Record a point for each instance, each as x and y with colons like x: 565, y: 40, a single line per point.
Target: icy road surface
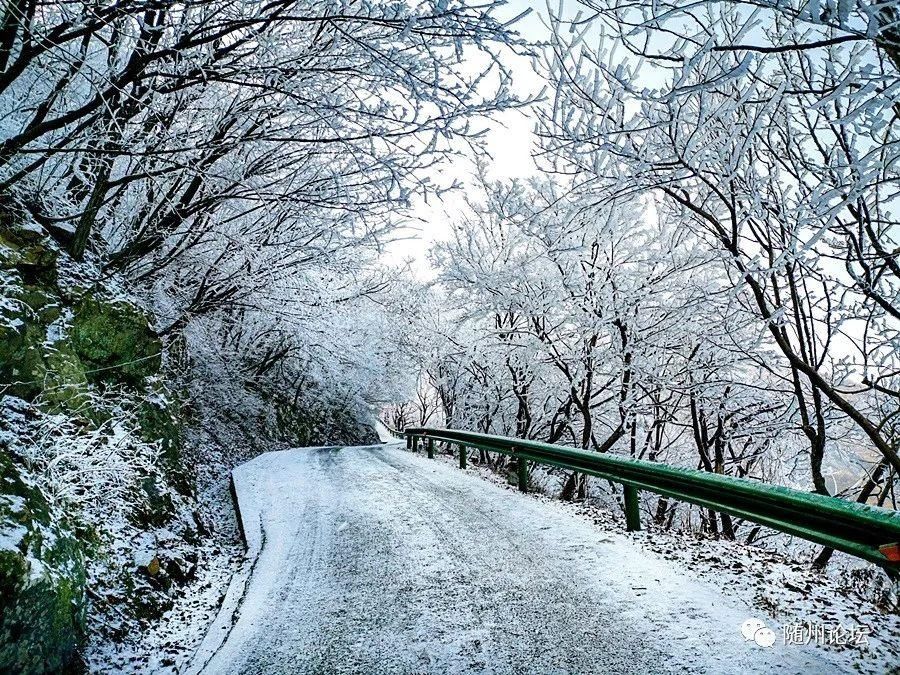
x: 374, y: 560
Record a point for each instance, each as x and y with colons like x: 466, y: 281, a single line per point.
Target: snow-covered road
x: 374, y: 560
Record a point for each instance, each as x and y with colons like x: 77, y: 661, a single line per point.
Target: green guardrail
x: 868, y: 532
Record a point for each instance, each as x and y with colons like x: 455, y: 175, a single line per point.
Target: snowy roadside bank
x: 165, y: 645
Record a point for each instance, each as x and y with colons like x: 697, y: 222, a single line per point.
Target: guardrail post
x: 522, y: 466
x: 409, y: 442
x: 415, y: 443
x: 632, y: 509
x: 429, y: 444
x: 463, y: 453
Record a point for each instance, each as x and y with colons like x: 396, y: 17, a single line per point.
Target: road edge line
x: 220, y: 627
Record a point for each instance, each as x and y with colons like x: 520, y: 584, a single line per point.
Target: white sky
x: 509, y: 140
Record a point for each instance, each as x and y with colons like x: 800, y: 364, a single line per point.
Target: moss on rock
x: 65, y: 382
x: 22, y: 365
x: 42, y: 581
x: 40, y: 303
x: 159, y: 420
x: 28, y: 305
x: 29, y: 251
x: 29, y: 363
x: 115, y: 341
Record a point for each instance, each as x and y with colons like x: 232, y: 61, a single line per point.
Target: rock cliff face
x: 61, y: 344
x: 55, y: 338
x: 83, y: 394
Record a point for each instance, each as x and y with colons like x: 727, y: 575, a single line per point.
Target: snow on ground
x: 163, y: 646
x: 781, y: 588
x: 384, y: 435
x: 377, y: 560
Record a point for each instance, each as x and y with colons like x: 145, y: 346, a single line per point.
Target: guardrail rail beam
x: 868, y: 532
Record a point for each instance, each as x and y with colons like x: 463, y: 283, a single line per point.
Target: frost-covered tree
x: 597, y: 324
x: 241, y: 164
x: 768, y: 131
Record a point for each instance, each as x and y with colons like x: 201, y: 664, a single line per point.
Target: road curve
x: 374, y: 560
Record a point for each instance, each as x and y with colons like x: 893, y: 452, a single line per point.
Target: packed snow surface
x: 377, y: 560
